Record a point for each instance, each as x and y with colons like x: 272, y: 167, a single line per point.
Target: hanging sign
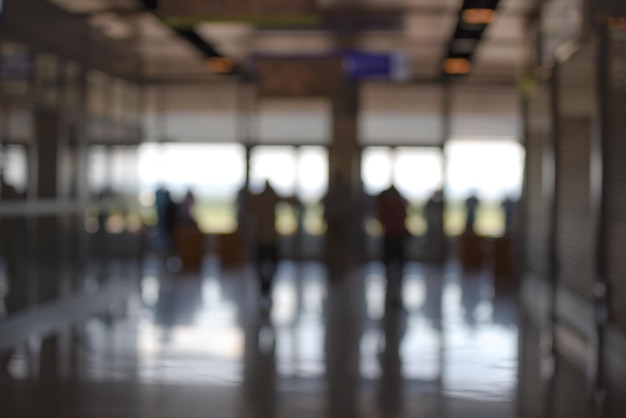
x: 304, y: 76
x: 394, y: 66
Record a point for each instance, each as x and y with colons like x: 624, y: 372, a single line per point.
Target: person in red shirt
x: 391, y: 209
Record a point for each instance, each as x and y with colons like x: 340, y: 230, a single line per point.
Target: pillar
x: 48, y: 227
x: 344, y: 181
x: 344, y: 152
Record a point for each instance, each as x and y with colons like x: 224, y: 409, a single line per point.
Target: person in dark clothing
x: 471, y: 207
x: 508, y: 207
x: 167, y: 216
x: 263, y: 213
x: 170, y: 221
x: 186, y: 217
x: 435, y: 234
x: 391, y: 209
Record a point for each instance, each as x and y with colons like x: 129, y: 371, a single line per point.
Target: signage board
x: 314, y: 76
x: 191, y: 12
x: 394, y: 66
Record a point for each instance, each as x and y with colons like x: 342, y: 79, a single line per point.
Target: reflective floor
x: 207, y: 346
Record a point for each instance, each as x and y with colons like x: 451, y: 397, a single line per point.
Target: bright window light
x: 491, y: 168
x: 418, y: 172
x: 212, y: 171
x: 276, y: 164
x: 376, y: 169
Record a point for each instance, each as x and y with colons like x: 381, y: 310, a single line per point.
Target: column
x: 344, y: 181
x: 48, y: 228
x: 344, y: 152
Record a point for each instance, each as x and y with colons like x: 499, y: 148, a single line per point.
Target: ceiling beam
x: 183, y: 79
x: 474, y: 17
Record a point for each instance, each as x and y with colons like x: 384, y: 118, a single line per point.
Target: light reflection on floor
x: 331, y: 349
x: 197, y: 329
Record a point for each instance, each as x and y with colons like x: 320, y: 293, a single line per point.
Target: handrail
x: 50, y: 317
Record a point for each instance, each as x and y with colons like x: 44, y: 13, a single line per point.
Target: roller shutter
x: 538, y: 134
x: 575, y: 239
x: 615, y: 171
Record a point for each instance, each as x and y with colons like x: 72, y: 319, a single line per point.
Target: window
x: 215, y: 173
x: 493, y: 170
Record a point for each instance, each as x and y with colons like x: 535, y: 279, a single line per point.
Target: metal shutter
x: 575, y: 239
x: 615, y: 170
x: 538, y: 131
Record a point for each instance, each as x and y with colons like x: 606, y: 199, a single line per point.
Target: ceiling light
x: 220, y: 65
x: 479, y: 16
x: 457, y: 66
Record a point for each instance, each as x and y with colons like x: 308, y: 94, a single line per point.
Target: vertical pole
x: 446, y: 131
x: 550, y: 193
x: 523, y: 206
x: 244, y: 124
x: 393, y: 157
x: 599, y: 194
x: 446, y: 125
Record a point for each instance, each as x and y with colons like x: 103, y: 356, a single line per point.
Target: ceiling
x: 423, y: 28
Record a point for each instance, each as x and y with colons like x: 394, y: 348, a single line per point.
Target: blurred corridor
x: 312, y: 208
x: 203, y: 346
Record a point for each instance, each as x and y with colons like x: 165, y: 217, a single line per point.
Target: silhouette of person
x: 166, y: 210
x: 391, y: 209
x: 363, y: 208
x: 263, y: 209
x: 508, y: 207
x: 185, y: 210
x: 435, y: 234
x: 471, y: 206
x: 242, y: 210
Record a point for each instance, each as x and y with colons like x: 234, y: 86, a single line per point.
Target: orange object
x: 231, y: 249
x: 503, y: 257
x: 471, y: 251
x: 190, y: 247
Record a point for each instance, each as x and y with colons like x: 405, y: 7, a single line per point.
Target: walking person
x: 391, y: 209
x: 435, y: 234
x: 262, y: 210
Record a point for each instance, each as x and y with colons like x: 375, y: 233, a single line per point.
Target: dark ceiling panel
x: 467, y: 35
x: 188, y: 33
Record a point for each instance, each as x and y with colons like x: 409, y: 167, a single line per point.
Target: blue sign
x: 371, y: 65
